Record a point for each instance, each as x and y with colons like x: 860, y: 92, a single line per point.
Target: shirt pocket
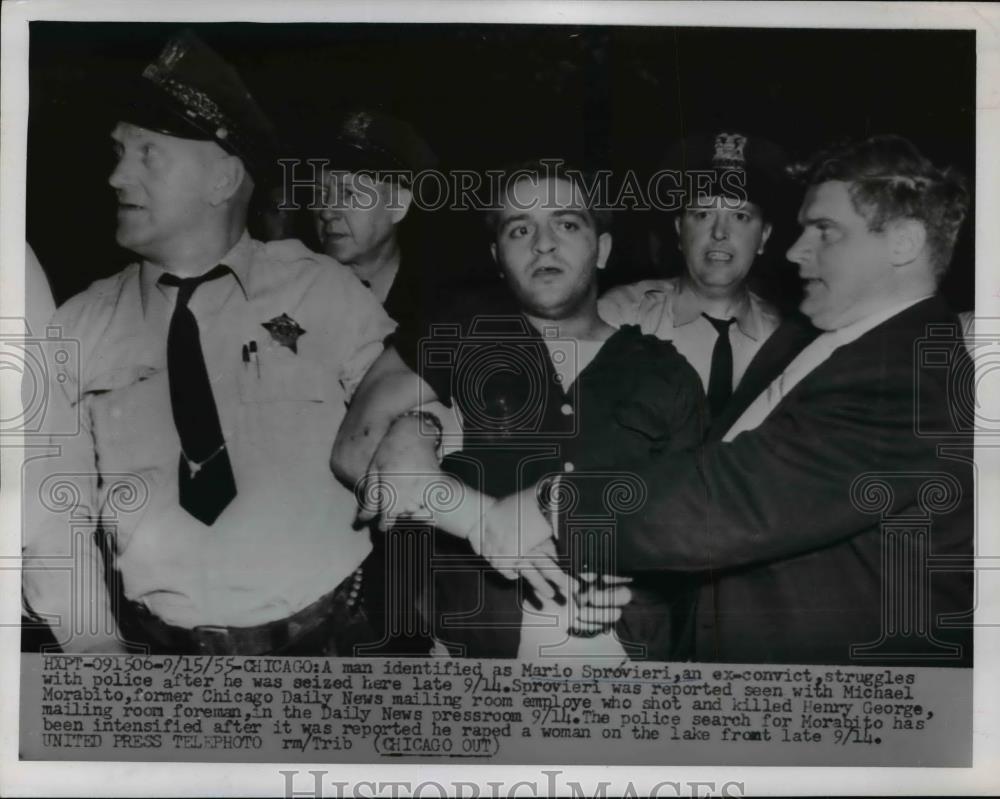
x: 289, y: 411
x: 132, y: 420
x: 279, y: 375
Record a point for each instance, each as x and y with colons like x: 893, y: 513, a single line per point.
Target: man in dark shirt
x: 544, y: 387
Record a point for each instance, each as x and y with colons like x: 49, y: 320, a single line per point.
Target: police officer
x: 213, y: 375
x: 731, y: 185
x: 367, y: 219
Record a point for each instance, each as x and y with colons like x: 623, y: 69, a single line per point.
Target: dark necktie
x: 205, y: 476
x: 720, y: 380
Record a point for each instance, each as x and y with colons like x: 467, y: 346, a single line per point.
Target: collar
x: 238, y: 259
x: 382, y: 281
x: 855, y: 330
x: 688, y: 306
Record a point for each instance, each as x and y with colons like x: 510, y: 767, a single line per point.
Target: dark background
x: 484, y: 95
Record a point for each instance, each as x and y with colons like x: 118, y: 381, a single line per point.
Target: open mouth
x: 546, y: 271
x: 719, y: 256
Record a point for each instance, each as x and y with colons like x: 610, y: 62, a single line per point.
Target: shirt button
x: 567, y: 409
x: 116, y: 413
x: 568, y: 466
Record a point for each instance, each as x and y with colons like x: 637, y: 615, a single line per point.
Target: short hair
x: 590, y: 189
x: 890, y: 179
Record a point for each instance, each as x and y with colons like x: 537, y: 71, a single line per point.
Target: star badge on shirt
x: 285, y: 331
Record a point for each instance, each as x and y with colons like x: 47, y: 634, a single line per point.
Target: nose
x: 720, y: 227
x: 327, y: 213
x: 544, y: 240
x: 121, y: 175
x: 798, y: 253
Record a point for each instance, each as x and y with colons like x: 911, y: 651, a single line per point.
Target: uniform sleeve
x: 63, y: 577
x: 367, y: 325
x: 620, y: 306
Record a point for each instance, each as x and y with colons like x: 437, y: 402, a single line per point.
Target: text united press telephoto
x: 495, y: 392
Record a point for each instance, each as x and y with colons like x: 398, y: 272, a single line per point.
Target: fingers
x: 612, y: 597
x: 543, y: 576
x: 598, y: 605
x: 590, y: 620
x: 607, y: 579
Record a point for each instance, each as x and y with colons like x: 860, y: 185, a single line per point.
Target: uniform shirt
x: 287, y: 538
x: 670, y: 310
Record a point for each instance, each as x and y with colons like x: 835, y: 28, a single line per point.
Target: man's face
x: 719, y: 243
x: 845, y: 266
x: 358, y: 218
x: 163, y: 185
x: 548, y: 248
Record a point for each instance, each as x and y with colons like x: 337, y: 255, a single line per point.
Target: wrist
x: 426, y: 424
x: 465, y: 516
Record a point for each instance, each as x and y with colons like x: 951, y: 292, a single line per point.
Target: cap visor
x: 146, y: 106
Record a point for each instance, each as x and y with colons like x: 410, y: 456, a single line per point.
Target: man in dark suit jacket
x: 832, y: 523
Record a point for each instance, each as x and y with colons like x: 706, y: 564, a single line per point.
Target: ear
x: 227, y: 173
x: 907, y: 238
x: 603, y: 249
x: 493, y: 252
x: 401, y: 199
x: 765, y: 234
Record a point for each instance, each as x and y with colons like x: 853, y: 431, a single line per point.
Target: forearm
x: 776, y: 492
x: 69, y: 593
x: 389, y: 390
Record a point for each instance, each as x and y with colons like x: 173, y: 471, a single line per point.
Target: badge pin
x: 729, y: 149
x: 285, y: 331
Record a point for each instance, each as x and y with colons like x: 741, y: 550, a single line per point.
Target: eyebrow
x: 813, y: 220
x: 120, y: 139
x: 558, y: 213
x: 572, y: 212
x: 504, y: 222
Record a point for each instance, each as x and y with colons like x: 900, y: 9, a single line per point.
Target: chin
x: 128, y: 242
x: 819, y: 319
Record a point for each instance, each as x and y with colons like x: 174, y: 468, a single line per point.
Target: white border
x: 89, y: 779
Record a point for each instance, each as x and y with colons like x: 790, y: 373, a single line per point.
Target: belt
x: 262, y: 639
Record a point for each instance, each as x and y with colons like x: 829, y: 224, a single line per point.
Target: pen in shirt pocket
x: 256, y: 358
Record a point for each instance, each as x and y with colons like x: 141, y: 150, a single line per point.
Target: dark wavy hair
x: 583, y: 181
x: 890, y: 179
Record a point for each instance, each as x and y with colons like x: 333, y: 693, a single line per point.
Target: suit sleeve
x: 782, y: 489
